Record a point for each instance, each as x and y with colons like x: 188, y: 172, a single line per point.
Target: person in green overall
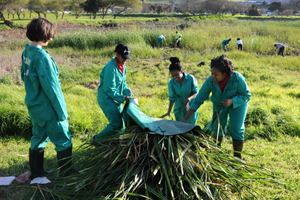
x: 183, y: 88
x: 178, y: 38
x: 113, y: 91
x: 160, y: 40
x: 44, y: 99
x: 225, y: 42
x: 230, y: 96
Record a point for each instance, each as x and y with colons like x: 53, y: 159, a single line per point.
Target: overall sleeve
x: 243, y: 93
x: 22, y: 68
x: 126, y: 89
x: 50, y: 83
x: 194, y: 86
x: 201, y: 96
x: 172, y: 95
x: 110, y: 85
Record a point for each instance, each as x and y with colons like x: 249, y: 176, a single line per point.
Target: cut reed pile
x: 138, y: 165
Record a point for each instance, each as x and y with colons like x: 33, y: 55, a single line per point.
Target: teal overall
x: 44, y: 100
x: 111, y: 96
x: 178, y: 93
x: 235, y: 89
x: 224, y: 43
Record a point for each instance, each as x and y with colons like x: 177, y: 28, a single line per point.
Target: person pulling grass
x: 160, y: 40
x: 239, y: 44
x: 230, y: 96
x: 178, y: 38
x: 44, y: 99
x: 225, y: 42
x: 280, y: 48
x: 113, y: 91
x: 183, y: 88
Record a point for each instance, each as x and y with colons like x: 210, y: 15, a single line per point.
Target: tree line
x: 92, y: 7
x: 57, y: 7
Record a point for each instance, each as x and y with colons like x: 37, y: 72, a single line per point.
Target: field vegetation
x: 272, y: 124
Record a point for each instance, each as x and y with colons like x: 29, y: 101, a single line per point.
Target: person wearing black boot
x: 44, y: 99
x: 230, y: 96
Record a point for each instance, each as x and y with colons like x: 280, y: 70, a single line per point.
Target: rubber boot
x: 64, y: 159
x: 237, y: 146
x: 220, y: 140
x: 36, y: 162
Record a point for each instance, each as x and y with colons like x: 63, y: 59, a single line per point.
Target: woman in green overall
x: 113, y: 91
x: 44, y: 99
x: 183, y: 89
x: 230, y: 96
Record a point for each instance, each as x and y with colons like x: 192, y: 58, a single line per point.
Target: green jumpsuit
x: 44, y: 100
x: 111, y: 95
x: 225, y: 42
x: 178, y: 93
x: 235, y: 89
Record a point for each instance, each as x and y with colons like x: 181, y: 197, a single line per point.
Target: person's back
x: 44, y: 100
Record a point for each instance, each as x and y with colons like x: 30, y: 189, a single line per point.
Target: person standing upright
x: 44, y: 99
x: 240, y: 44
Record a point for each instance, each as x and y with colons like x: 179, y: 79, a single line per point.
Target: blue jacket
x: 235, y: 89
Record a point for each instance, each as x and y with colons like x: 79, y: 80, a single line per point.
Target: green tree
x: 159, y: 9
x: 275, y: 6
x: 76, y: 7
x: 37, y: 6
x: 18, y: 7
x: 3, y: 4
x: 254, y: 11
x: 55, y: 6
x: 91, y: 6
x: 125, y: 4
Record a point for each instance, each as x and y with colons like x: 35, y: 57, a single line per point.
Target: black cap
x: 123, y: 50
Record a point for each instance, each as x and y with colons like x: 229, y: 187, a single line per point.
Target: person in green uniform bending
x: 183, y: 89
x: 113, y: 91
x: 178, y: 38
x: 225, y: 42
x: 230, y: 96
x: 44, y: 99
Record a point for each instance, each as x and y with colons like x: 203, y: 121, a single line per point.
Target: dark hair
x: 175, y: 64
x: 222, y: 64
x: 238, y: 39
x: 40, y: 29
x: 275, y: 45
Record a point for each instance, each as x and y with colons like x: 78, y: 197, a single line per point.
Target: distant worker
x: 160, y: 40
x: 240, y: 44
x: 225, y: 42
x: 178, y: 38
x: 280, y: 48
x: 183, y: 88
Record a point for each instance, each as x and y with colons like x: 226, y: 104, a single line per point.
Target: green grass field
x: 272, y: 124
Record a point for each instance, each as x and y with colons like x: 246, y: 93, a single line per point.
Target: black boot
x: 237, y: 147
x: 220, y: 140
x: 36, y: 162
x: 64, y: 159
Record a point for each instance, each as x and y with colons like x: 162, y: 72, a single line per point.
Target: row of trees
x: 41, y: 7
x: 225, y: 6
